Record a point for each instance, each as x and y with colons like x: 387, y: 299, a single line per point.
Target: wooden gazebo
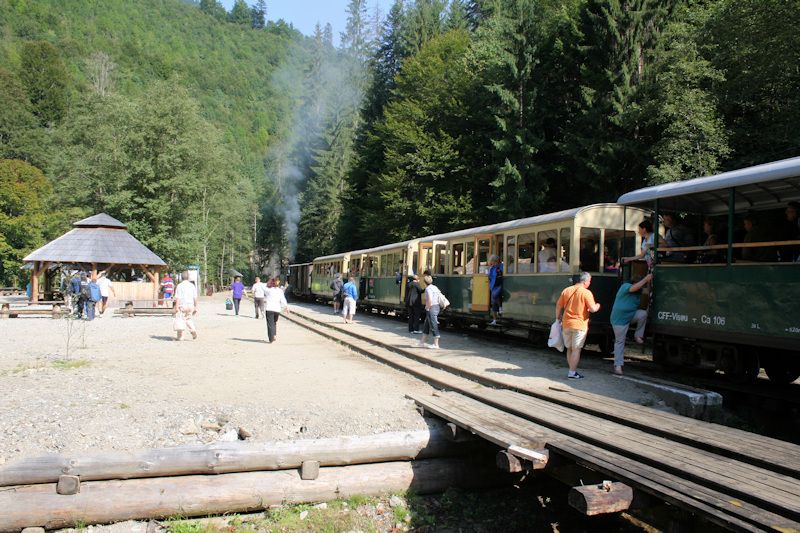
x: 97, y: 243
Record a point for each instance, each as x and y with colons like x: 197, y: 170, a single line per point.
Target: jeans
x: 414, y: 318
x: 88, y: 307
x: 259, y: 305
x: 431, y: 325
x: 272, y: 319
x: 236, y: 304
x: 620, y: 332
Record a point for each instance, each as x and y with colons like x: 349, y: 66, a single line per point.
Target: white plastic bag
x: 178, y: 322
x: 556, y: 339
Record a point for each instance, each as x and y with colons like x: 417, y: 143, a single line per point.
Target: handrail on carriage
x: 764, y: 244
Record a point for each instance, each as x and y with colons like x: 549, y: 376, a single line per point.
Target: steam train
x: 720, y: 308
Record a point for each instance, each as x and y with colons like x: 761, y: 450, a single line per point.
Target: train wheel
x: 782, y: 370
x: 741, y: 367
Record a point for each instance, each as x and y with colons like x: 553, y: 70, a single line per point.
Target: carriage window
x: 483, y: 256
x: 527, y: 244
x: 440, y: 258
x: 563, y: 264
x: 511, y: 250
x: 590, y: 249
x: 458, y: 259
x: 355, y: 267
x: 615, y: 246
x: 546, y: 242
x: 469, y: 266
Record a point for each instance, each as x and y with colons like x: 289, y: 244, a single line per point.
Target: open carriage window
x: 526, y: 253
x: 458, y: 259
x: 616, y: 243
x: 546, y: 243
x: 563, y: 264
x: 511, y: 257
x: 440, y: 258
x: 589, y: 254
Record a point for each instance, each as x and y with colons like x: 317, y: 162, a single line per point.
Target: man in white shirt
x: 106, y: 289
x: 259, y: 293
x: 185, y: 306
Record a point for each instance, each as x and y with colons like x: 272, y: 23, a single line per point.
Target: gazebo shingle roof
x: 97, y: 239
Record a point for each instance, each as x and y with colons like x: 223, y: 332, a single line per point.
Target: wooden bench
x: 55, y: 310
x: 131, y: 310
x: 11, y: 291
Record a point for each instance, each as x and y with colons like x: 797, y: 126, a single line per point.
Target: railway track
x: 760, y: 394
x: 735, y: 479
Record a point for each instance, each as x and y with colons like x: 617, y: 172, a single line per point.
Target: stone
x: 303, y: 515
x: 229, y: 436
x: 396, y: 501
x: 212, y: 426
x: 68, y: 485
x: 33, y: 530
x: 188, y: 428
x: 244, y: 434
x: 322, y: 505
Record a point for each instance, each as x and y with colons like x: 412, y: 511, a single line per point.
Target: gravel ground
x: 125, y: 384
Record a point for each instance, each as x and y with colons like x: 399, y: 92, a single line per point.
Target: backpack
x: 94, y: 292
x: 85, y: 291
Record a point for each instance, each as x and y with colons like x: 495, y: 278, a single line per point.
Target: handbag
x: 178, y: 323
x: 443, y: 301
x: 556, y: 339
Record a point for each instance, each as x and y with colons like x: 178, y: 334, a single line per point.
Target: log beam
x: 235, y: 457
x: 607, y: 497
x: 101, y: 502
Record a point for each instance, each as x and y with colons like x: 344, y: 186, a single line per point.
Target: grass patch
x: 70, y: 364
x: 22, y: 367
x: 124, y: 406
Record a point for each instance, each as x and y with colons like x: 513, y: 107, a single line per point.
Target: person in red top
x: 168, y: 286
x: 577, y: 302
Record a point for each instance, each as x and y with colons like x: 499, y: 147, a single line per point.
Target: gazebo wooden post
x: 35, y: 282
x: 154, y: 278
x: 94, y: 271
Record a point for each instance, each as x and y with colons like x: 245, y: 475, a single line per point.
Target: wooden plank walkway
x: 506, y: 429
x: 772, y: 454
x: 702, y: 476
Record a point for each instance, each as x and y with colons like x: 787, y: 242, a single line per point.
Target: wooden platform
x: 730, y: 504
x: 774, y: 454
x: 734, y: 478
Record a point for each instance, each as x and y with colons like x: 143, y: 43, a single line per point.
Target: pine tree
x: 213, y: 8
x: 355, y: 40
x: 258, y: 14
x: 693, y: 140
x: 507, y: 55
x: 240, y: 14
x: 45, y: 77
x: 20, y: 135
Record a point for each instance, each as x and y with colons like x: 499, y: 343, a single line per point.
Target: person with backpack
x: 435, y: 302
x: 91, y: 295
x: 336, y: 286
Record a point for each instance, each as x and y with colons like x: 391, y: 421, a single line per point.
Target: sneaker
x: 420, y: 344
x: 431, y: 346
x: 194, y: 334
x: 617, y: 370
x: 416, y: 332
x: 493, y: 323
x: 575, y: 376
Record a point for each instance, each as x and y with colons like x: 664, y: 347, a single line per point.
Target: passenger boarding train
x: 721, y: 308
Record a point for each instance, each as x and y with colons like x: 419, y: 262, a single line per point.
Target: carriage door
x: 424, y: 260
x: 478, y: 266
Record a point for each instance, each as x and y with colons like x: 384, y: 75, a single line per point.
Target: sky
x: 304, y: 14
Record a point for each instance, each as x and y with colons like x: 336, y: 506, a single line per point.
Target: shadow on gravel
x: 259, y: 341
x: 162, y: 338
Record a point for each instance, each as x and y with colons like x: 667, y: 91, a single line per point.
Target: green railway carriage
x: 723, y: 308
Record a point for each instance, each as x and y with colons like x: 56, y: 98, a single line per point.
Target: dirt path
x: 127, y: 384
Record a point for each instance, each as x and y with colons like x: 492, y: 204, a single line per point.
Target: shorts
x: 105, y: 299
x: 349, y: 307
x: 574, y: 338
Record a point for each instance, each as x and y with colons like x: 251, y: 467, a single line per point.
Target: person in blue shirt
x: 237, y: 290
x: 495, y: 287
x: 624, y: 312
x: 350, y: 291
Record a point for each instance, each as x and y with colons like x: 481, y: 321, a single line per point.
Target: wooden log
x: 508, y: 462
x: 459, y: 434
x: 5, y: 311
x: 226, y: 457
x: 607, y: 497
x: 112, y: 501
